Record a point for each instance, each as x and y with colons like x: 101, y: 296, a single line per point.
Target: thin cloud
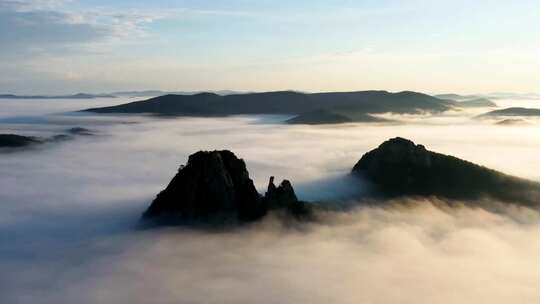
x: 43, y: 26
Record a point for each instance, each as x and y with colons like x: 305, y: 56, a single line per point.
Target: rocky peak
x: 399, y: 150
x: 215, y: 186
x: 395, y: 162
x: 400, y: 167
x: 211, y: 184
x: 281, y: 196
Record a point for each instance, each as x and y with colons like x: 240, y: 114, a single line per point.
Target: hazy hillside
x: 283, y: 102
x: 514, y: 111
x: 477, y: 103
x: 456, y: 97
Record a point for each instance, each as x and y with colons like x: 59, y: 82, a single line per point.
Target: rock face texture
x: 400, y: 167
x: 212, y: 184
x: 214, y: 188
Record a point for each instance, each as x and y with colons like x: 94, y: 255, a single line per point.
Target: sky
x: 61, y: 47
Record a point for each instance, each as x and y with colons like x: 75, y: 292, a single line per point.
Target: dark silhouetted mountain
x: 20, y: 141
x: 75, y: 96
x: 214, y: 187
x: 477, y: 103
x: 399, y: 167
x: 283, y: 197
x: 512, y: 112
x: 17, y: 141
x: 284, y: 102
x: 211, y: 184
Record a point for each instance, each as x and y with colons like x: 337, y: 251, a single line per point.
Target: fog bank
x: 68, y: 212
x: 422, y: 252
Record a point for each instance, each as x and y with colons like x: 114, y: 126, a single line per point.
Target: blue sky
x: 56, y: 46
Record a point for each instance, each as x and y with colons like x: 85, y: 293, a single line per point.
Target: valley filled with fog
x: 69, y: 211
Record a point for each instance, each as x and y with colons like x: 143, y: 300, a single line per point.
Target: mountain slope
x: 515, y: 111
x: 283, y: 102
x: 477, y: 103
x: 400, y: 167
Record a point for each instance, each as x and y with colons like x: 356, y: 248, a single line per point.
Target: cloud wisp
x: 44, y: 27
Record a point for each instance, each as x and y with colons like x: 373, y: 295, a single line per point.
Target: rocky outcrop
x: 211, y: 184
x: 400, y: 167
x: 283, y: 197
x: 214, y: 187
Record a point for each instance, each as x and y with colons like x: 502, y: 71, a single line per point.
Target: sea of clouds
x: 68, y: 213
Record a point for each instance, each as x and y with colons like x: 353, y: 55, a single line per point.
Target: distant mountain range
x: 147, y: 93
x: 515, y: 111
x: 468, y: 101
x: 495, y: 95
x: 344, y: 106
x: 74, y: 96
x: 456, y: 97
x: 478, y: 103
x: 507, y: 95
x: 153, y: 93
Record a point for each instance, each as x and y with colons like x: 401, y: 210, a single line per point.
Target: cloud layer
x: 68, y: 212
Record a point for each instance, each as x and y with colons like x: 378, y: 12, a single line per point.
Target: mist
x: 68, y: 213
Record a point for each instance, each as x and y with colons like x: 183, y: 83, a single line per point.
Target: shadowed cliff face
x: 283, y: 197
x: 399, y: 167
x: 214, y: 188
x: 211, y: 184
